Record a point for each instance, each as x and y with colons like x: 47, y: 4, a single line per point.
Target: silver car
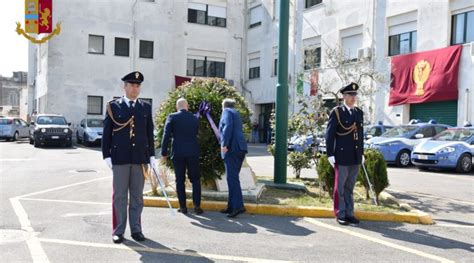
x: 12, y: 128
x: 90, y: 131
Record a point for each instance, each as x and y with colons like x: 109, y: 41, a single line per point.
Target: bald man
x: 182, y: 127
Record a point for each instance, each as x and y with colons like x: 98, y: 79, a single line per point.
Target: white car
x: 90, y: 131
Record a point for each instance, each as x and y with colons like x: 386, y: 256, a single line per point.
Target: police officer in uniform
x: 128, y: 148
x: 345, y: 148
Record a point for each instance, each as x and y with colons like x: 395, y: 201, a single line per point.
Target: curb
x: 413, y: 217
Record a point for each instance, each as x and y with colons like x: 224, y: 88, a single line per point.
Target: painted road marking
x: 36, y: 251
x: 377, y: 240
x: 64, y: 186
x: 455, y: 225
x: 66, y: 201
x: 157, y: 250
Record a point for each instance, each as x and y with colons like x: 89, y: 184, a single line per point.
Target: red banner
x: 178, y: 80
x: 45, y: 16
x: 425, y: 76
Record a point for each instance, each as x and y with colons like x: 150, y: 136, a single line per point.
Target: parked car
x: 50, y: 129
x: 90, y: 131
x: 397, y: 143
x: 12, y: 128
x: 452, y: 148
x: 300, y: 143
x: 375, y: 130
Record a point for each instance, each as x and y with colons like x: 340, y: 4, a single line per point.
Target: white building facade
x: 77, y: 72
x: 375, y: 30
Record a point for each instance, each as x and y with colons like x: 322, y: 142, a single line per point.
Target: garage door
x: 445, y: 112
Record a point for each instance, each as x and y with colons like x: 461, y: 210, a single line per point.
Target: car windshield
x: 51, y: 120
x: 400, y: 131
x: 6, y: 121
x: 454, y: 135
x: 95, y: 123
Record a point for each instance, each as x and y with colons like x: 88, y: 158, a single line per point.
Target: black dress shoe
x: 198, y: 210
x: 183, y: 210
x: 138, y: 236
x: 226, y: 210
x: 236, y: 212
x: 342, y: 221
x: 117, y: 239
x: 352, y: 220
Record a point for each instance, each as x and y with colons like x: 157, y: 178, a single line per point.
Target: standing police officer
x: 128, y: 148
x: 345, y: 148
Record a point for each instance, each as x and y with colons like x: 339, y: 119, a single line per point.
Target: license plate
x: 54, y: 137
x: 423, y: 157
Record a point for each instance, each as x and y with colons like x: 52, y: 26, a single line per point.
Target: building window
x: 275, y: 67
x: 310, y: 3
x: 256, y: 16
x: 146, y: 49
x: 254, y: 68
x: 94, y: 105
x: 207, y: 15
x: 96, y: 44
x: 312, y: 58
x: 205, y: 68
x: 122, y: 47
x: 350, y: 45
x: 462, y: 28
x: 402, y: 43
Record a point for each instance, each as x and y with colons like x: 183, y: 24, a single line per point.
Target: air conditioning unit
x: 364, y: 53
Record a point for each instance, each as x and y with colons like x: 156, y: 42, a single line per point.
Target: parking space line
x: 64, y: 186
x: 66, y: 201
x: 157, y: 250
x: 36, y: 251
x: 377, y: 240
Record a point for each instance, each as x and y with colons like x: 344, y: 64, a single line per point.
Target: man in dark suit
x: 345, y: 148
x: 233, y: 150
x: 182, y: 126
x: 127, y: 147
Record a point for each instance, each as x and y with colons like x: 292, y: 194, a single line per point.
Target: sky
x: 13, y: 47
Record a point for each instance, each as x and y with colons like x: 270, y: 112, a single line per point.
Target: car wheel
x: 69, y: 144
x: 403, y: 158
x: 31, y: 141
x: 78, y: 139
x: 464, y: 163
x: 36, y: 143
x: 85, y: 141
x: 15, y: 136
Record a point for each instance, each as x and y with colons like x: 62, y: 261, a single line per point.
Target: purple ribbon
x: 205, y: 109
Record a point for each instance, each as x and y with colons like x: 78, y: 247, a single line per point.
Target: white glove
x: 153, y: 163
x: 363, y: 159
x: 332, y: 161
x: 108, y: 162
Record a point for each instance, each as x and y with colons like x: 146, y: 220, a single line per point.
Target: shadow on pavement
x: 422, y: 237
x: 168, y: 255
x: 247, y: 223
x: 435, y: 205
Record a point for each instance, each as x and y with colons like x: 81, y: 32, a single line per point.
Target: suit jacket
x: 182, y: 127
x: 232, y: 135
x: 118, y: 145
x: 347, y: 149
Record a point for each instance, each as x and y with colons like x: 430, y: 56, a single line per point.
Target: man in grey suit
x: 182, y: 126
x: 233, y: 150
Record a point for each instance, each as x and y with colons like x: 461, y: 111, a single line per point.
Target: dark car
x: 50, y: 129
